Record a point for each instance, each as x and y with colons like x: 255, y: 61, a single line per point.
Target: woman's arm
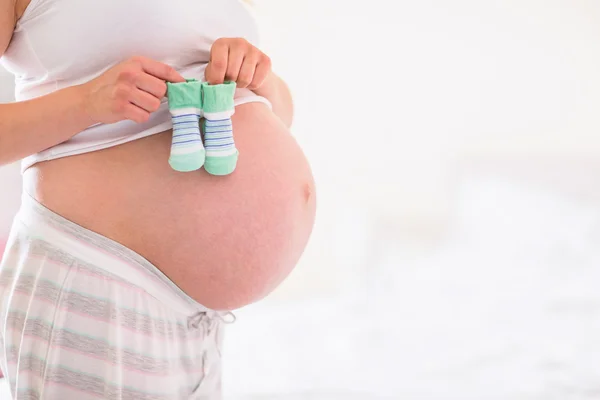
x: 8, y: 19
x: 54, y: 118
x: 129, y: 91
x: 57, y: 117
x: 278, y: 93
x: 32, y: 126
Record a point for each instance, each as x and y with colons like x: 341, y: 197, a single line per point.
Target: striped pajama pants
x: 82, y: 317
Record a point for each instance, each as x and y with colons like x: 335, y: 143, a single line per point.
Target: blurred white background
x: 456, y: 251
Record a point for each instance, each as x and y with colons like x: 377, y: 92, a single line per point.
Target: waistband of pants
x: 103, y: 253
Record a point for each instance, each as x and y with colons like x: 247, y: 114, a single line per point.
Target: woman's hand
x: 238, y: 61
x: 131, y: 90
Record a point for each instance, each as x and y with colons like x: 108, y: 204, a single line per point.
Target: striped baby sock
x: 185, y: 105
x: 221, y: 153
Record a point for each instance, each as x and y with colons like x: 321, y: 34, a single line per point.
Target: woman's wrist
x: 79, y: 96
x: 277, y: 92
x: 269, y: 88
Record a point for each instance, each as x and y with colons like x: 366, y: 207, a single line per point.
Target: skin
x: 226, y: 241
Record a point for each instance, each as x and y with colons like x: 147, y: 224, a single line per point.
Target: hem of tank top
x: 30, y: 161
x: 164, y: 126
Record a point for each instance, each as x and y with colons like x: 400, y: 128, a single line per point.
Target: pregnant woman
x: 120, y: 271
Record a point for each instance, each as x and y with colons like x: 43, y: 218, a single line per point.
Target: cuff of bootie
x: 185, y: 94
x: 218, y: 99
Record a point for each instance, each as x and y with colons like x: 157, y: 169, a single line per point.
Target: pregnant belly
x: 226, y: 241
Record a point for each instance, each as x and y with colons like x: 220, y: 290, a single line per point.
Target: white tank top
x: 61, y: 43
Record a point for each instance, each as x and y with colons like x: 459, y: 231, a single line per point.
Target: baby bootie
x: 185, y: 105
x: 218, y: 106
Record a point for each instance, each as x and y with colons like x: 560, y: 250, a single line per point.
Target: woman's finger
x: 246, y: 74
x: 158, y: 69
x: 234, y: 63
x: 145, y: 101
x: 263, y: 69
x: 136, y: 114
x: 217, y: 66
x: 152, y: 85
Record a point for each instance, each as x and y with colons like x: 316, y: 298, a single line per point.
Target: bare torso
x: 226, y: 241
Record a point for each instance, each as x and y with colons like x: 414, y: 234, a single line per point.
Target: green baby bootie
x: 221, y: 153
x: 185, y: 105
